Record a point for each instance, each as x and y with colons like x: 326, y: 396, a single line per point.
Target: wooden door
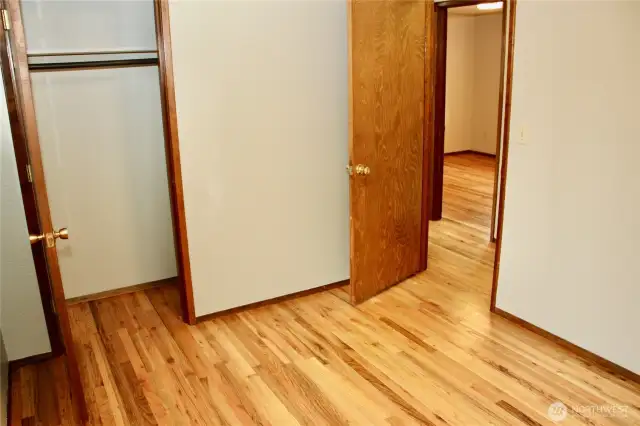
x: 43, y: 235
x: 387, y: 91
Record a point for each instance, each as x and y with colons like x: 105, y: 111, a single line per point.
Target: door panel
x: 387, y: 78
x: 35, y: 200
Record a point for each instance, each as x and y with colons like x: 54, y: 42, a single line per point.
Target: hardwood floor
x: 426, y: 352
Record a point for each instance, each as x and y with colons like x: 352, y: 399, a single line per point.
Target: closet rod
x: 119, y: 63
x: 103, y: 52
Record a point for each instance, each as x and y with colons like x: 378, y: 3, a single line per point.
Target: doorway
x: 472, y: 65
x: 93, y: 124
x: 472, y: 72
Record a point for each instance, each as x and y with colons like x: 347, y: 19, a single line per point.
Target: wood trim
x: 439, y: 99
x: 22, y: 84
x: 172, y: 147
x: 26, y: 189
x: 30, y: 360
x: 427, y: 146
x: 503, y: 57
x: 278, y: 299
x: 448, y: 4
x: 589, y: 356
x: 120, y: 291
x: 505, y: 146
x: 14, y: 366
x: 470, y: 151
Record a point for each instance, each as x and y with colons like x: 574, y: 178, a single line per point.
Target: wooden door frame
x: 174, y: 169
x: 432, y: 85
x: 437, y: 169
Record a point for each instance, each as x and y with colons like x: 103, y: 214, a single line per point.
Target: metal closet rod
x: 118, y: 63
x: 103, y: 52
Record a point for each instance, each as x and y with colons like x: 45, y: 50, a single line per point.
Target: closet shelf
x: 103, y: 52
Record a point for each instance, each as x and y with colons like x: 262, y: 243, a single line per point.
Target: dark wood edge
x: 503, y: 57
x: 610, y: 367
x: 172, y: 147
x: 30, y: 360
x: 511, y: 4
x: 121, y: 291
x: 427, y: 144
x: 469, y: 151
x: 268, y: 302
x: 439, y: 100
x: 449, y: 4
x: 22, y: 84
x: 9, y: 409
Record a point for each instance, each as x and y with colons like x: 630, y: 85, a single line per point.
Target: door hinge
x: 6, y: 22
x: 53, y: 306
x: 29, y: 175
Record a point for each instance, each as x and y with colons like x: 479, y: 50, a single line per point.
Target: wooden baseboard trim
x: 16, y: 364
x: 611, y: 367
x: 272, y: 301
x: 470, y: 151
x: 120, y: 291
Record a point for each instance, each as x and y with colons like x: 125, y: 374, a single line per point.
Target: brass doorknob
x: 361, y: 169
x: 62, y: 233
x: 35, y: 238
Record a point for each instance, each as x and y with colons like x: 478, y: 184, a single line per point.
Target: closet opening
x: 95, y: 140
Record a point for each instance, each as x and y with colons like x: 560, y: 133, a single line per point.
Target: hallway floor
x: 426, y: 352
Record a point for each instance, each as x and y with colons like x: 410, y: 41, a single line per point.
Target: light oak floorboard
x: 426, y: 352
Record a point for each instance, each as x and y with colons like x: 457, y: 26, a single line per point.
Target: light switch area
x: 523, y: 137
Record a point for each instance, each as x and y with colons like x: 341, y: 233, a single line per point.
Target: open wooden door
x: 387, y: 43
x: 43, y: 236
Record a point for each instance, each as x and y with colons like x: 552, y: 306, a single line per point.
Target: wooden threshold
x: 272, y: 301
x: 607, y: 365
x: 122, y: 290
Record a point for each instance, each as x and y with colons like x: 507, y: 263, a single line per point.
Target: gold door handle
x: 359, y: 169
x: 35, y: 238
x: 62, y: 233
x: 363, y: 170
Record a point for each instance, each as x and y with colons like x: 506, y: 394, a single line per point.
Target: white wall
x: 261, y: 91
x: 23, y: 325
x: 571, y: 225
x: 4, y: 362
x: 102, y: 145
x: 459, y: 102
x: 474, y: 45
x: 103, y: 153
x: 89, y: 26
x: 486, y: 81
